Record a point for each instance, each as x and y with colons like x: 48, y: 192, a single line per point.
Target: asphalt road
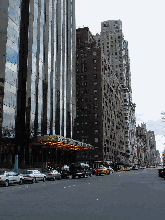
x: 128, y: 195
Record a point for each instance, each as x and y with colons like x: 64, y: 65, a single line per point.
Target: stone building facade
x: 114, y: 52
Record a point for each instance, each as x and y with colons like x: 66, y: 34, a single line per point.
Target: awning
x: 57, y: 141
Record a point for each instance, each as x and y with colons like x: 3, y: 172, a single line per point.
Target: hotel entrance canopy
x: 56, y: 141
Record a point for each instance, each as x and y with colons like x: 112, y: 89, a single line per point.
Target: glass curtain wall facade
x: 38, y: 96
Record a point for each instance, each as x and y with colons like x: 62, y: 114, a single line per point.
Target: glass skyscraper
x: 37, y: 69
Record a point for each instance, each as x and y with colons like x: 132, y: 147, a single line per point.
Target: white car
x: 110, y: 169
x: 28, y: 176
x: 8, y: 177
x: 34, y: 175
x: 53, y: 175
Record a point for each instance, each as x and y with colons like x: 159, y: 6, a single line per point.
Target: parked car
x: 77, y: 170
x: 8, y: 177
x: 53, y: 175
x: 102, y: 170
x: 28, y: 176
x: 36, y: 175
x: 161, y: 172
x: 64, y: 171
x: 87, y: 169
x: 135, y: 168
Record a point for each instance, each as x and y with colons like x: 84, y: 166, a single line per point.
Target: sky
x: 143, y: 27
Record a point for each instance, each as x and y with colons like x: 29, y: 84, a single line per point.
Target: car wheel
x: 108, y: 173
x: 60, y: 178
x: 54, y: 178
x: 33, y: 180
x: 6, y: 183
x: 90, y: 175
x: 44, y: 179
x: 20, y: 182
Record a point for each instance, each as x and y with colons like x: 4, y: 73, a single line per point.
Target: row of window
x: 85, y: 69
x: 85, y: 92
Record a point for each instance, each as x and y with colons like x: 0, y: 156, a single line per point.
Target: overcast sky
x: 143, y: 25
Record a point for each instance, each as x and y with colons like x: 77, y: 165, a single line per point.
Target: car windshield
x: 27, y: 172
x: 50, y: 171
x: 2, y: 172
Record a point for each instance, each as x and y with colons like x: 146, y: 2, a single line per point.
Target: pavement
x: 127, y: 195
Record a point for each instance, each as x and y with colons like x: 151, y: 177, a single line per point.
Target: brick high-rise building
x: 88, y: 124
x: 100, y: 118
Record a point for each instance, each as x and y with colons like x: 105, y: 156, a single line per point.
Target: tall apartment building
x: 114, y: 52
x: 151, y: 145
x: 88, y: 124
x: 99, y: 99
x: 37, y: 70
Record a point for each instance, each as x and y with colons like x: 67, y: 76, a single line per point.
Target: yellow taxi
x: 124, y: 169
x: 102, y: 170
x: 121, y: 169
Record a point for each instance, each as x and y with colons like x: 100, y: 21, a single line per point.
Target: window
x: 96, y: 131
x: 85, y: 83
x: 96, y: 140
x: 78, y: 132
x: 95, y: 68
x: 95, y: 76
x: 95, y: 107
x: 94, y: 61
x: 95, y: 83
x: 96, y: 122
x: 77, y: 71
x: 95, y: 99
x: 95, y: 91
x: 77, y: 123
x: 94, y: 53
x: 96, y: 156
x: 95, y: 116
